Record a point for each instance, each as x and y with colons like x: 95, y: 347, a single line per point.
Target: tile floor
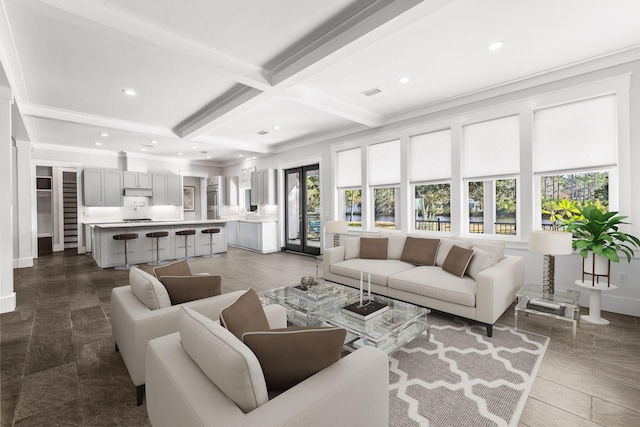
x: 59, y: 367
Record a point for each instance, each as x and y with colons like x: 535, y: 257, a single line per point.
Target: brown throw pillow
x: 245, y: 315
x: 291, y: 355
x: 420, y: 251
x: 183, y: 289
x: 178, y: 268
x: 457, y: 260
x: 373, y: 248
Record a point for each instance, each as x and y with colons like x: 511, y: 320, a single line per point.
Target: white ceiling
x: 211, y: 74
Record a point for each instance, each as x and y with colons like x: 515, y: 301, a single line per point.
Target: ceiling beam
x: 135, y: 25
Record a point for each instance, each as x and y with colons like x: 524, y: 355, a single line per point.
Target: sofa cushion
x: 291, y: 355
x: 148, y: 289
x: 351, y: 247
x: 495, y: 249
x: 373, y: 248
x: 457, y: 260
x: 183, y: 289
x: 177, y: 268
x: 379, y: 269
x: 395, y: 245
x: 245, y: 315
x: 479, y: 261
x: 446, y: 245
x: 420, y: 251
x: 433, y: 282
x: 224, y: 359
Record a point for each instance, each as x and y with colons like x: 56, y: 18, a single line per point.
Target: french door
x: 302, y: 212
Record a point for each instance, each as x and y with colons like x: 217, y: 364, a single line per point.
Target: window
x: 433, y: 207
x: 583, y: 138
x: 349, y: 184
x: 430, y: 174
x: 384, y: 180
x: 492, y: 185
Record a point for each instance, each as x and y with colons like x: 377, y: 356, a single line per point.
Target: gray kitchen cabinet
x: 166, y: 189
x: 102, y: 187
x: 136, y: 179
x: 264, y: 187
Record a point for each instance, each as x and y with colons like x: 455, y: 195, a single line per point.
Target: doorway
x: 302, y: 209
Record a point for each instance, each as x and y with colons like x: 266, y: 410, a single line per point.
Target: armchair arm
x: 497, y: 287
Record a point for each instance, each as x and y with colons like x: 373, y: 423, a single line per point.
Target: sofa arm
x: 331, y: 256
x: 497, y: 287
x: 326, y: 398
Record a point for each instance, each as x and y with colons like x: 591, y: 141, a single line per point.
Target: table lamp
x: 550, y: 243
x: 336, y: 228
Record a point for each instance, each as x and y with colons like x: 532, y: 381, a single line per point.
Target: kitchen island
x: 108, y: 252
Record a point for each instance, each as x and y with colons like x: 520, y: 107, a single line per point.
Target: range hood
x: 139, y: 192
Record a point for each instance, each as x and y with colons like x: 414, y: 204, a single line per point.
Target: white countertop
x: 111, y: 225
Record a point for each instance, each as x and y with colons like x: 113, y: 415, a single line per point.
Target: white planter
x: 601, y: 266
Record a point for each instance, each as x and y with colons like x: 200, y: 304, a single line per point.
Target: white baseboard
x: 23, y: 262
x: 8, y: 303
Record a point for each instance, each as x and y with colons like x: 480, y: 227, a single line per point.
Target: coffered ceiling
x: 216, y: 79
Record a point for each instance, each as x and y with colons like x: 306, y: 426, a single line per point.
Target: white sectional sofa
x: 483, y: 293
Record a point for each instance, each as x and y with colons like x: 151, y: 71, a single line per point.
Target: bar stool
x: 125, y: 237
x: 157, y: 235
x: 211, y: 232
x: 186, y: 234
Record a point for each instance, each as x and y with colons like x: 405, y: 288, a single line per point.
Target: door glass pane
x: 293, y: 207
x: 312, y: 178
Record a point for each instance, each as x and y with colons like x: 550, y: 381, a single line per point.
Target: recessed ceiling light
x: 495, y: 45
x: 276, y: 127
x: 98, y: 143
x: 208, y: 157
x: 179, y: 154
x: 403, y: 80
x: 143, y: 149
x: 129, y: 92
x: 240, y: 155
x: 104, y: 134
x: 194, y: 147
x: 154, y: 142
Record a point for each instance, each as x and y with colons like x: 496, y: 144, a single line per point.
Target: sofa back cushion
x: 351, y: 247
x: 445, y: 247
x: 224, y: 359
x: 457, y: 260
x: 245, y: 315
x: 148, y: 289
x: 479, y: 261
x: 495, y: 249
x: 420, y: 251
x: 373, y: 248
x: 291, y: 355
x: 395, y: 245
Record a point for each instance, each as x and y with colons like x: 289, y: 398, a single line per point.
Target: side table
x: 563, y: 304
x: 595, y: 294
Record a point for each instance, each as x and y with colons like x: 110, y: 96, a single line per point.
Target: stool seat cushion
x: 125, y: 236
x: 158, y: 234
x: 148, y: 289
x: 185, y: 232
x: 211, y: 230
x: 183, y: 289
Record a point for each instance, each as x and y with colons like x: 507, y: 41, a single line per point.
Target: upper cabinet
x: 264, y: 187
x: 137, y: 179
x: 167, y: 189
x: 231, y: 193
x: 102, y: 187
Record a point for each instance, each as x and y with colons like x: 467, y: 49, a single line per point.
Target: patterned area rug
x: 456, y: 376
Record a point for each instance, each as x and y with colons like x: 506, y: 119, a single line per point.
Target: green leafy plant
x: 596, y: 231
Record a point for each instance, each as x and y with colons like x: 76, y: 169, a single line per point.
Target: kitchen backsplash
x: 134, y: 207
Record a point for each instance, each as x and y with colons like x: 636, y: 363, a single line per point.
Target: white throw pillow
x: 224, y: 359
x: 395, y: 245
x: 445, y: 247
x: 479, y: 261
x: 495, y: 249
x: 351, y: 247
x: 148, y: 289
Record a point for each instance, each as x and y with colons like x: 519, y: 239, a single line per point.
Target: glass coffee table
x: 388, y: 331
x: 563, y: 304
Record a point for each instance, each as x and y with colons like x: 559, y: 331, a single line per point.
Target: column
x: 7, y: 294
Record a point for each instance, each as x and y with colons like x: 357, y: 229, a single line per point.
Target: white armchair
x: 134, y: 325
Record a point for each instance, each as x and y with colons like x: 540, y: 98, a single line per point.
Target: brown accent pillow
x: 183, y: 289
x: 178, y: 268
x: 457, y: 260
x: 373, y: 248
x: 245, y: 315
x: 291, y: 355
x: 420, y: 251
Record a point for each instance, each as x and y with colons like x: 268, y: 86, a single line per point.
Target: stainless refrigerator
x: 214, y: 197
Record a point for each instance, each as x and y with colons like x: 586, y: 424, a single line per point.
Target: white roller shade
x: 430, y: 157
x: 491, y: 148
x: 349, y: 168
x: 581, y: 134
x: 384, y: 163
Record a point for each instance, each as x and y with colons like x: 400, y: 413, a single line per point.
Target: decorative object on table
x: 189, y: 198
x: 336, y: 228
x: 596, y: 234
x: 365, y: 309
x: 549, y: 243
x: 307, y: 281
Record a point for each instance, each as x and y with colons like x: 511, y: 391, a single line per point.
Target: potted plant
x: 596, y: 233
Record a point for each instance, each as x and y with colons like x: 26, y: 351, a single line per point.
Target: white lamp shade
x: 335, y: 227
x: 550, y: 242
